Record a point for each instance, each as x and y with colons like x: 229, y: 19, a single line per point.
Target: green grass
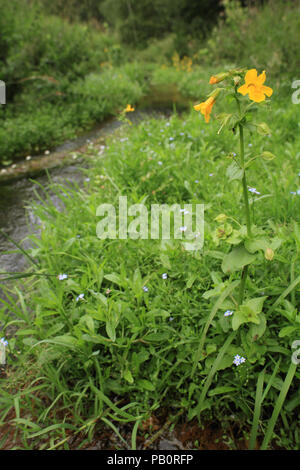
x: 120, y: 353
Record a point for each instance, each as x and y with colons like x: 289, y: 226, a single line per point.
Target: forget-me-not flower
x: 238, y: 360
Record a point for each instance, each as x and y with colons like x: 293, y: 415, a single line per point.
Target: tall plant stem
x: 247, y: 209
x: 244, y: 181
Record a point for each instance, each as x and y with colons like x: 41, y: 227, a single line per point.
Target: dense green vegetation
x: 63, y: 77
x: 108, y: 332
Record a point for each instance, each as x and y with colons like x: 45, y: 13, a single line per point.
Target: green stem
x: 242, y: 284
x: 244, y: 180
x: 247, y: 209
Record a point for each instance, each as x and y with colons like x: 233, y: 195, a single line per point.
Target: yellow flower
x: 207, y: 105
x: 129, y: 108
x: 254, y: 85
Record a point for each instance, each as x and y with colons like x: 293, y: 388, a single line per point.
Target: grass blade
x: 279, y: 403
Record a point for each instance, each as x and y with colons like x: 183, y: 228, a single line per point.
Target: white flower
x: 61, y: 277
x: 79, y: 297
x: 164, y: 276
x: 145, y: 289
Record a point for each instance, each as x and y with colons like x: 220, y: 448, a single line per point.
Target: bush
x: 264, y: 38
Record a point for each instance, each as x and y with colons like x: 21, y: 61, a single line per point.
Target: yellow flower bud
x: 269, y: 254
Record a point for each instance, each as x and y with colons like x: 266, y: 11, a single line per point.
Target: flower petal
x: 262, y: 78
x: 198, y: 107
x: 251, y: 76
x: 257, y: 95
x: 267, y: 90
x: 243, y: 89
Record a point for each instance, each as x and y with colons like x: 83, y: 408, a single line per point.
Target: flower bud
x: 218, y: 78
x: 269, y: 254
x: 221, y: 218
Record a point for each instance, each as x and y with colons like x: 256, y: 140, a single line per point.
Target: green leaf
x: 225, y: 119
x: 237, y: 259
x: 165, y: 261
x: 221, y: 390
x: 115, y: 278
x: 263, y: 129
x: 146, y: 385
x: 128, y: 376
x: 111, y: 330
x: 286, y: 331
x: 234, y: 172
x: 27, y: 331
x: 191, y: 280
x: 158, y: 336
x: 248, y: 312
x: 256, y: 244
x: 257, y: 330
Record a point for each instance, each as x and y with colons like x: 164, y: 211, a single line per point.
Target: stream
x: 18, y: 190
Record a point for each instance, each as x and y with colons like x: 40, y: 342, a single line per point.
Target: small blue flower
x: 238, y: 360
x: 228, y: 313
x: 79, y: 297
x: 159, y: 163
x: 171, y: 138
x: 61, y: 277
x: 253, y: 190
x: 249, y: 145
x: 3, y: 341
x: 145, y: 289
x: 164, y: 276
x: 196, y: 181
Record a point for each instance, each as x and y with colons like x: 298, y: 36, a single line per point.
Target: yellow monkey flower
x: 254, y: 86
